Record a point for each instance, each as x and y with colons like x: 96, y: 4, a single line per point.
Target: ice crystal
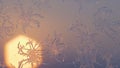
x: 31, y: 51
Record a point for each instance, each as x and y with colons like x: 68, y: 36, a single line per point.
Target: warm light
x: 12, y: 58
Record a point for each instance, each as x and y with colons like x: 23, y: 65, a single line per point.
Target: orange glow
x: 12, y: 58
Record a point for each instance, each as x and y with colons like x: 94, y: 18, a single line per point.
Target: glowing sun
x: 20, y: 52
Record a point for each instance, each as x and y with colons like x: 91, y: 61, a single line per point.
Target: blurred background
x: 72, y: 33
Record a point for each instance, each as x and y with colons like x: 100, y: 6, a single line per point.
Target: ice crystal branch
x: 31, y: 51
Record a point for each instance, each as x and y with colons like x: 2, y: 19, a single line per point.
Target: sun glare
x: 12, y: 57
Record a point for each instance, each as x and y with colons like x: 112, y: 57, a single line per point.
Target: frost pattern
x: 32, y: 52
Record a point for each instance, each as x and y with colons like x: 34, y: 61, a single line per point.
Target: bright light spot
x: 12, y: 57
